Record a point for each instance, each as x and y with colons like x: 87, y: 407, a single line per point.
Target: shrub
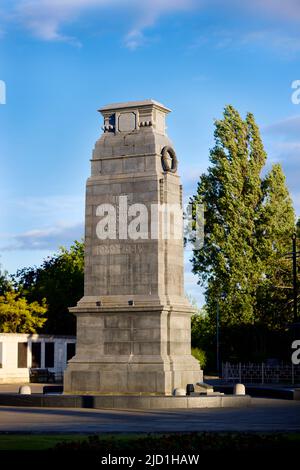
x: 200, y: 355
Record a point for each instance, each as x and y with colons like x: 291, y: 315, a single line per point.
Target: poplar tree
x: 276, y: 226
x: 245, y: 230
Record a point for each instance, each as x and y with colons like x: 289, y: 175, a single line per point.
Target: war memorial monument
x: 133, y: 323
x: 133, y: 347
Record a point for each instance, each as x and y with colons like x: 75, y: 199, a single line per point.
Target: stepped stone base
x: 132, y: 350
x: 124, y: 402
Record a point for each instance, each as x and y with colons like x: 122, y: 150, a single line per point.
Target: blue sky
x: 62, y: 60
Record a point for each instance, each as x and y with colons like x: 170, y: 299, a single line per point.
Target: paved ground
x: 14, y: 388
x: 263, y: 415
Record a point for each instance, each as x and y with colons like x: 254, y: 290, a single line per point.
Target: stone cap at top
x: 133, y: 116
x: 134, y: 104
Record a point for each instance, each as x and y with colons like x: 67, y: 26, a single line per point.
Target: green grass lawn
x: 30, y: 442
x: 34, y: 441
x: 47, y: 441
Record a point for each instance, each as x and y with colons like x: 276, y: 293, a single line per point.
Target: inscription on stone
x: 117, y: 249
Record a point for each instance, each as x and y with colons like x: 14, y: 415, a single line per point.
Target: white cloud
x: 285, y: 44
x: 22, y: 215
x: 150, y: 12
x: 284, y: 147
x: 282, y: 9
x: 46, y: 19
x: 50, y: 238
x: 50, y: 206
x: 288, y: 128
x: 59, y: 218
x: 288, y: 9
x: 134, y: 39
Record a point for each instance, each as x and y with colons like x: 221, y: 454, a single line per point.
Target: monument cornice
x: 134, y: 105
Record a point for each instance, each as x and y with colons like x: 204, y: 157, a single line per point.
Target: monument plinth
x: 133, y: 323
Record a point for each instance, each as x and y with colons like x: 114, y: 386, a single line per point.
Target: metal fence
x: 261, y: 373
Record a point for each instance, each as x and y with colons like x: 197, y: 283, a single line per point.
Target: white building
x: 22, y: 353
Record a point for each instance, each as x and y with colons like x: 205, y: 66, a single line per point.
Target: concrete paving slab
x: 264, y: 415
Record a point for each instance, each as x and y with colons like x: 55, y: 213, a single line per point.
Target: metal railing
x: 261, y: 373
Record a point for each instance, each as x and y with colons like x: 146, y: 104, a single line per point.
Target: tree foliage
x: 19, y: 316
x: 60, y: 281
x: 5, y: 284
x: 203, y: 339
x: 298, y: 229
x: 276, y: 226
x: 249, y: 221
x: 200, y: 355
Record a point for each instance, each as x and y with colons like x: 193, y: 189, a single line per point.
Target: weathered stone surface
x: 203, y: 388
x: 133, y: 323
x: 124, y: 401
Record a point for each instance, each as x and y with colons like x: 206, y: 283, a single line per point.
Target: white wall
x: 10, y: 373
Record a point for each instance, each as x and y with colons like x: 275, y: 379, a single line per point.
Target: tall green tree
x: 60, y: 281
x: 241, y: 241
x: 276, y: 225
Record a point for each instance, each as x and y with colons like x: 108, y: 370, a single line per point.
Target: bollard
x: 25, y: 390
x: 179, y: 392
x: 239, y: 389
x: 190, y: 389
x: 297, y: 394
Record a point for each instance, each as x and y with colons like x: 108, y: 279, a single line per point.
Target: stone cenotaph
x: 133, y: 323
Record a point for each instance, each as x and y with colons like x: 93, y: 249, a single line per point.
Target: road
x: 263, y: 415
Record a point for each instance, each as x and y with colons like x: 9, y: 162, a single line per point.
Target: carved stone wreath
x: 166, y: 153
